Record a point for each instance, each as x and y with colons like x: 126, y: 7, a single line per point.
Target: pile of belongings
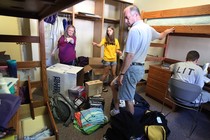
x: 89, y: 120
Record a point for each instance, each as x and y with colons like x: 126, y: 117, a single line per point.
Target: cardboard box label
x: 63, y: 77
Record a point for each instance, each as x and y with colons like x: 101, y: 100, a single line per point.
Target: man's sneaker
x: 114, y: 112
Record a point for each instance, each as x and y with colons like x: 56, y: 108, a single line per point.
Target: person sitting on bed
x: 190, y: 72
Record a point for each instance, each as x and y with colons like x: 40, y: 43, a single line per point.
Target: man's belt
x: 137, y: 64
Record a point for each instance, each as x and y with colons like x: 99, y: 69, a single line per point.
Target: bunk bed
x: 33, y: 9
x: 190, y: 23
x: 182, y: 20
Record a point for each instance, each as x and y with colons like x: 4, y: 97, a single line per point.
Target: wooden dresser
x: 157, y: 83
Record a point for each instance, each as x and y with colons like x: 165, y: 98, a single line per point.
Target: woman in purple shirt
x: 66, y: 46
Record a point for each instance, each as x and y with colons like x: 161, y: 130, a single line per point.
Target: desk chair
x: 183, y: 94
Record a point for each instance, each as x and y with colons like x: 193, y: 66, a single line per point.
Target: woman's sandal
x: 105, y: 89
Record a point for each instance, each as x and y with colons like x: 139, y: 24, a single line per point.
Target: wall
x: 152, y: 5
x: 10, y: 26
x: 17, y: 26
x: 85, y: 28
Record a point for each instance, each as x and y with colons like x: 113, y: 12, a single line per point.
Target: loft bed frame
x: 181, y: 12
x: 195, y: 31
x: 180, y: 30
x: 33, y: 9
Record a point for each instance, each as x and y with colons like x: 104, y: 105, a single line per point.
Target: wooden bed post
x: 43, y: 60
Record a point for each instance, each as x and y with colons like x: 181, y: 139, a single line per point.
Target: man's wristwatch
x: 122, y: 73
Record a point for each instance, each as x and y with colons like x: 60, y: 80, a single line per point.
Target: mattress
x: 195, y: 20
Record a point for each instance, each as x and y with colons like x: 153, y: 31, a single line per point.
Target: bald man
x: 132, y: 71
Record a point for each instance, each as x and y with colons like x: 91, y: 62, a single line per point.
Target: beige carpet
x: 179, y: 123
x: 71, y: 133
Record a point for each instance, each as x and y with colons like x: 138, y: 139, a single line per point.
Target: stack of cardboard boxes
x: 97, y: 67
x: 64, y: 78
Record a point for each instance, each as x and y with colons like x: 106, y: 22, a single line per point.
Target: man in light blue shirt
x: 139, y: 37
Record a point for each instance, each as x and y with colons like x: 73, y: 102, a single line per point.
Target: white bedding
x: 195, y: 20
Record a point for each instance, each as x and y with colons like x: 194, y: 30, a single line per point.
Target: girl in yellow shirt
x: 111, y: 48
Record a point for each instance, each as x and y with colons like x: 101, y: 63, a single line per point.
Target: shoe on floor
x: 105, y: 89
x: 114, y: 112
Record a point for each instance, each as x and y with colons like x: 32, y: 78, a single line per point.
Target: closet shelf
x: 80, y: 15
x: 110, y: 20
x: 88, y: 16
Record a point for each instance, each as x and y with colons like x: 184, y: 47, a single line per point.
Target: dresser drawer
x: 160, y: 77
x: 159, y: 73
x: 158, y: 85
x: 157, y: 95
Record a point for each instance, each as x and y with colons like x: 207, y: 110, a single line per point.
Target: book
x: 205, y: 68
x: 206, y: 79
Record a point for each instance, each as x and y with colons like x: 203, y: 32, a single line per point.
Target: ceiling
x: 35, y: 9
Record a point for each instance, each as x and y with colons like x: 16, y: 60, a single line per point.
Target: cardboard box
x: 43, y: 118
x: 87, y: 68
x: 93, y: 87
x: 95, y: 62
x: 87, y: 73
x: 97, y: 73
x: 63, y: 77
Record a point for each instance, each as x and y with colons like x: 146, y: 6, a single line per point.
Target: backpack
x: 82, y: 61
x: 123, y: 126
x: 62, y: 108
x: 155, y: 125
x: 140, y: 106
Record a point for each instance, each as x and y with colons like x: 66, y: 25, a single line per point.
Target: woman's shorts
x: 107, y: 63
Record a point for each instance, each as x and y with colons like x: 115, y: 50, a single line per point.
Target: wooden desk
x: 157, y: 83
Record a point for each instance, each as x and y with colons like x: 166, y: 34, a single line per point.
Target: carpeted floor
x: 179, y: 123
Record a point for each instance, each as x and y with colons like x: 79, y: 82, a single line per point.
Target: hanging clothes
x: 65, y: 24
x: 51, y: 19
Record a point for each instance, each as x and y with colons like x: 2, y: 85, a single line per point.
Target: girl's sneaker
x: 105, y: 89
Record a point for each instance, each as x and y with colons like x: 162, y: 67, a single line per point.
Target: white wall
x: 10, y: 26
x: 84, y: 34
x: 152, y: 5
x: 85, y: 28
